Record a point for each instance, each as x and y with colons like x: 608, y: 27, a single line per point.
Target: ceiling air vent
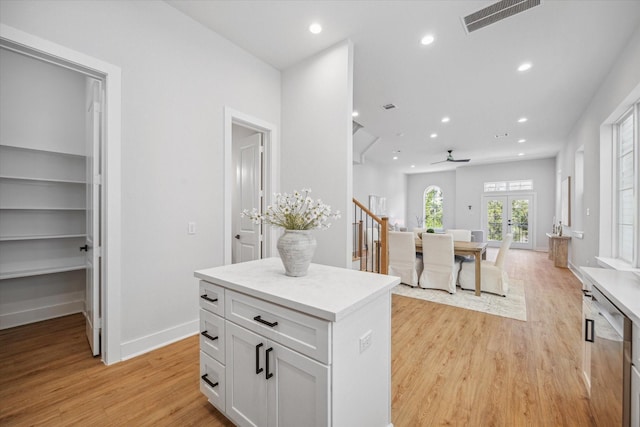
x: 389, y: 106
x: 496, y: 12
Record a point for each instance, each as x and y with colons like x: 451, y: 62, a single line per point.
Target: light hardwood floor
x: 450, y: 367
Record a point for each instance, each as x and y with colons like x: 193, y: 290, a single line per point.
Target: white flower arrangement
x: 296, y: 211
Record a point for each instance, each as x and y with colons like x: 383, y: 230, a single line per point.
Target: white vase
x: 296, y: 248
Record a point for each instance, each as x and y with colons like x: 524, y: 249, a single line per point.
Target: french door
x: 509, y: 214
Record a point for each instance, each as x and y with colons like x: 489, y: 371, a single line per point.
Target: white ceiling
x: 470, y: 77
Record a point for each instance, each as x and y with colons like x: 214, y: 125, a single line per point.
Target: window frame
x: 424, y: 212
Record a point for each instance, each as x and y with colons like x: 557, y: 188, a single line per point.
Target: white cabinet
x: 587, y: 339
x: 635, y: 396
x: 290, y: 352
x: 42, y: 212
x: 271, y: 385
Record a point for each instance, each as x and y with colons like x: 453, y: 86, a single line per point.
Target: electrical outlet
x: 191, y: 228
x: 365, y: 341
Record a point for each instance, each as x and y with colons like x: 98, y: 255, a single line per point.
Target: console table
x: 559, y: 249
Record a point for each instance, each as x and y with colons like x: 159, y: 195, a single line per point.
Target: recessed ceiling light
x: 445, y: 120
x: 520, y: 154
x: 522, y: 120
x: 524, y: 66
x: 426, y: 40
x: 315, y: 28
x: 434, y: 135
x: 413, y: 166
x: 395, y: 157
x: 355, y: 114
x: 522, y: 140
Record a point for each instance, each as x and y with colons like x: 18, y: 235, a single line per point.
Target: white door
x: 246, y: 399
x: 296, y: 389
x: 93, y: 187
x: 247, y: 241
x: 509, y: 214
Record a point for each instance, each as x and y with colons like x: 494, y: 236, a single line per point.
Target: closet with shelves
x: 42, y: 190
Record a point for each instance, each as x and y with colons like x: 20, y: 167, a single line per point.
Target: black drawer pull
x: 586, y: 329
x: 208, y: 381
x: 264, y: 322
x: 205, y: 297
x: 206, y: 334
x: 268, y: 374
x: 258, y: 368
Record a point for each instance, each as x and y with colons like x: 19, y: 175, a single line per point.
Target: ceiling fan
x: 451, y: 159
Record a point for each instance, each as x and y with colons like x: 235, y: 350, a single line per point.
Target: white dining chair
x: 493, y: 276
x: 459, y: 235
x: 403, y: 261
x: 440, y: 270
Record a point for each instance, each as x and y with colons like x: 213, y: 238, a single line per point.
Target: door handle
x: 258, y: 368
x: 268, y: 374
x: 84, y: 248
x: 237, y: 236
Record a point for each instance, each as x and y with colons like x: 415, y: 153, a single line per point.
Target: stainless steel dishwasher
x: 610, y: 331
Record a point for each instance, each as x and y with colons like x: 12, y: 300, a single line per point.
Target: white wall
x: 371, y: 179
x: 417, y: 183
x: 177, y: 77
x: 316, y: 141
x: 465, y: 186
x: 622, y: 79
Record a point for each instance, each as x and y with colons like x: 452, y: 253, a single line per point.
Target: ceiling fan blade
x: 461, y: 160
x: 441, y: 161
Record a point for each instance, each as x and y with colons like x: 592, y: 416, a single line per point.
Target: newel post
x: 384, y: 250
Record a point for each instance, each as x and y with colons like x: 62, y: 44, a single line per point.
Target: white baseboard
x: 156, y: 340
x: 24, y: 317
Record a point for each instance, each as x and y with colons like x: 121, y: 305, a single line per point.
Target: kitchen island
x: 291, y: 351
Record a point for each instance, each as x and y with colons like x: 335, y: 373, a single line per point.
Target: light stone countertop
x: 329, y: 293
x: 621, y: 287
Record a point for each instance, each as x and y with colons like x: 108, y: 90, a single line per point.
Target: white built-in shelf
x: 59, y: 181
x: 39, y: 150
x: 40, y: 271
x: 41, y: 237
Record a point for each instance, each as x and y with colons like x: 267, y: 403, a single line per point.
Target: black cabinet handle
x: 205, y: 297
x: 84, y: 248
x: 208, y: 381
x: 258, y: 368
x: 205, y: 334
x: 264, y: 322
x: 268, y: 374
x: 586, y: 329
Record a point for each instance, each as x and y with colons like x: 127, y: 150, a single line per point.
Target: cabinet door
x: 246, y: 400
x: 297, y: 389
x: 587, y: 333
x: 635, y: 396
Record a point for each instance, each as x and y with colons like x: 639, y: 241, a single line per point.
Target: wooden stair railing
x: 370, y: 240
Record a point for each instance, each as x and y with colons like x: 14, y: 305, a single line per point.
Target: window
x: 526, y: 184
x: 625, y: 186
x: 433, y: 207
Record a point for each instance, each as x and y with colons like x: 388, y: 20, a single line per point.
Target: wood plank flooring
x: 450, y: 367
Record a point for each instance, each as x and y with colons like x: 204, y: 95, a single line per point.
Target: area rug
x: 512, y: 306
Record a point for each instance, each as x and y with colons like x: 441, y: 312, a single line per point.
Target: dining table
x: 477, y: 249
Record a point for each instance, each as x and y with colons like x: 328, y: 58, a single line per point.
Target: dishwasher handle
x: 588, y: 322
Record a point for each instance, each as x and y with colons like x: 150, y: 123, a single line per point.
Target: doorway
x: 107, y: 290
x: 247, y: 193
x: 506, y: 214
x: 250, y: 177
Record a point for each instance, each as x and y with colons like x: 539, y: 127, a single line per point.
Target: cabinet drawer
x: 306, y: 334
x: 212, y: 298
x: 212, y: 335
x: 212, y: 381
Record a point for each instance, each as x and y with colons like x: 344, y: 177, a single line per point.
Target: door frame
x: 270, y: 172
x: 507, y: 196
x: 28, y: 44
